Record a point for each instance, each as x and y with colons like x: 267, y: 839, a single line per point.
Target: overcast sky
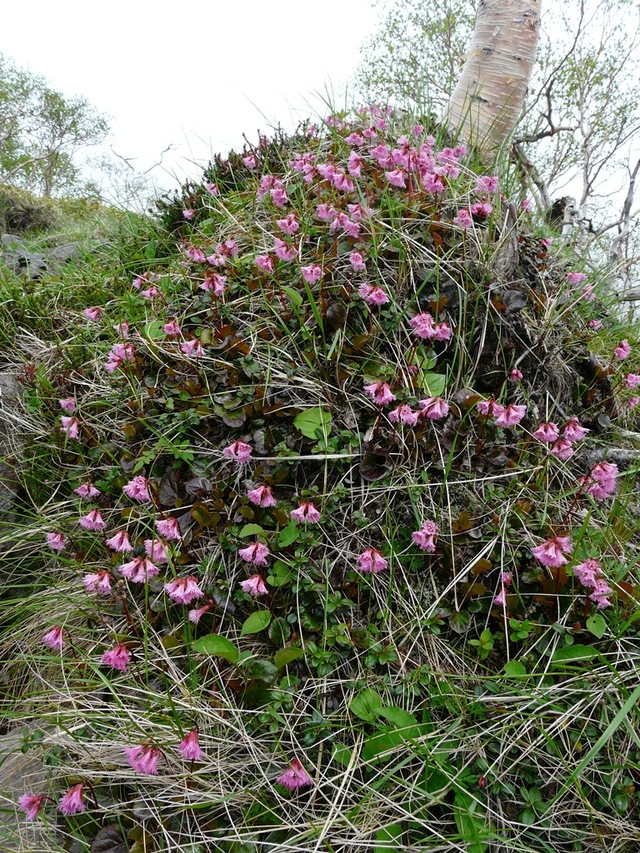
x: 194, y: 74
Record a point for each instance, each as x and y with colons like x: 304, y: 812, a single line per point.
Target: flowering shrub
x: 317, y: 452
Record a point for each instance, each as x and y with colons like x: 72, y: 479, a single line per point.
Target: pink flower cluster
x: 591, y: 576
x: 561, y: 441
x: 601, y: 481
x: 504, y: 416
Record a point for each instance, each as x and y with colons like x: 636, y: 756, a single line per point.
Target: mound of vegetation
x: 330, y: 549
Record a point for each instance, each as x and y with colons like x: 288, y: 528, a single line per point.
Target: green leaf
x: 402, y: 720
x: 342, y: 754
x: 217, y: 646
x: 434, y: 384
x: 383, y: 741
x: 470, y: 822
x: 154, y: 330
x: 597, y: 625
x: 251, y: 530
x: 255, y: 623
x: 570, y: 654
x: 279, y: 631
x: 295, y: 297
x: 366, y: 705
x: 150, y: 250
x: 286, y: 656
x: 288, y: 535
x: 314, y: 423
x: 263, y: 670
x: 514, y: 669
x: 279, y: 574
x: 388, y: 838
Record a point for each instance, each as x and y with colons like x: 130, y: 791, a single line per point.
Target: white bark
x: 488, y: 98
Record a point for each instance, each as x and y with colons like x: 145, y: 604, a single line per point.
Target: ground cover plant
x: 329, y: 519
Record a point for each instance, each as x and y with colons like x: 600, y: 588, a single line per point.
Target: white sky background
x: 195, y: 74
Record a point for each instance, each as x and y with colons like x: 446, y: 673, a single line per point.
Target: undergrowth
x: 326, y: 538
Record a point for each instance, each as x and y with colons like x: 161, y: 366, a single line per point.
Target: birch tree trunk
x: 488, y: 98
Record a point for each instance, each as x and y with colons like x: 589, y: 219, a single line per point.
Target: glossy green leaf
x: 313, y: 423
x: 366, y: 705
x: 286, y: 656
x: 217, y: 646
x: 255, y: 623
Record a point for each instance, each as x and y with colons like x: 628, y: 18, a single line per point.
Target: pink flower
x: 197, y: 613
x: 87, y: 490
x: 312, y: 273
x: 515, y: 375
x: 250, y: 161
x: 380, y: 393
x: 587, y: 293
x: 576, y: 277
x: 373, y: 294
x: 289, y: 224
x: 511, y: 415
x: 306, y: 513
x: 596, y: 325
x: 423, y: 325
x: 254, y: 585
x: 92, y: 521
x: 138, y: 570
x: 190, y: 746
x: 55, y: 639
x: 262, y: 496
x: 279, y: 196
x: 632, y: 380
x: 601, y: 481
x: 371, y: 561
x: 434, y: 408
x: 195, y: 253
x: 500, y: 600
x: 442, y: 332
x: 547, y: 432
x: 183, y: 590
x: 238, y: 450
x: 70, y: 426
x: 463, y: 219
x: 425, y: 538
x: 214, y: 283
x: 573, y: 431
x: 168, y: 527
x: 93, y: 313
x: 68, y: 404
x: 633, y: 402
x: 357, y: 261
x: 622, y: 350
x: 490, y: 408
x: 211, y: 188
x: 99, y: 582
x: 31, y: 804
x: 397, y: 178
x: 119, y: 542
x: 118, y: 355
x: 355, y: 164
x: 265, y: 262
x: 192, y: 348
x: 172, y: 329
x: 403, y: 414
x: 155, y: 550
x: 590, y: 576
x: 143, y: 758
x: 72, y: 802
x: 486, y: 184
x: 56, y: 541
x: 137, y: 489
x: 151, y: 292
x: 480, y: 208
x: 118, y: 657
x: 255, y: 553
x: 295, y: 777
x: 189, y: 213
x: 562, y: 449
x: 551, y: 552
x: 285, y: 251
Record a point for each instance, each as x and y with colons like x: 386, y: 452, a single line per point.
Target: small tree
x: 41, y: 132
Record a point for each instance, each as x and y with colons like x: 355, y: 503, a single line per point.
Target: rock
x: 21, y: 773
x: 35, y: 265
